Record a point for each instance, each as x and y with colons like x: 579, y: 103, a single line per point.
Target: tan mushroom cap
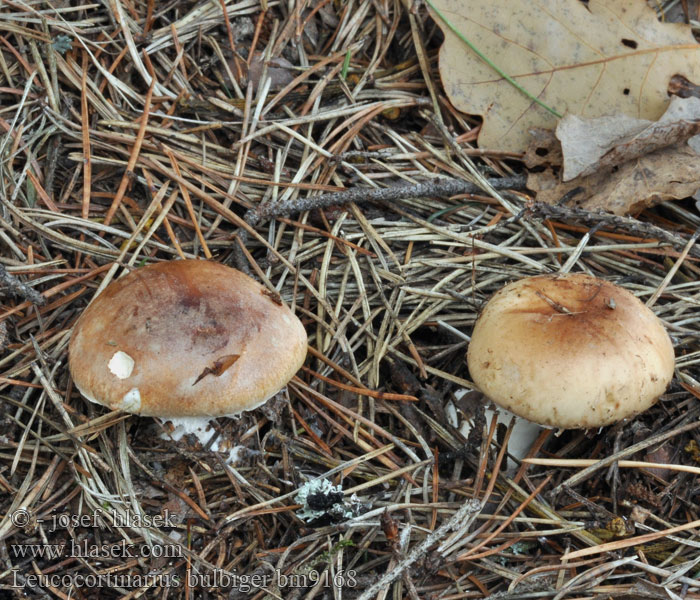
x: 185, y: 338
x: 570, y: 351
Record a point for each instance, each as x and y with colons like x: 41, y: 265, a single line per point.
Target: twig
x: 560, y: 308
x: 442, y: 187
x: 627, y: 224
x: 631, y: 464
x: 468, y: 512
x: 14, y: 286
x: 633, y: 541
x: 604, y: 462
x: 672, y: 271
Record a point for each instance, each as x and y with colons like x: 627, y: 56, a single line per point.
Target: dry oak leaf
x: 667, y: 174
x: 544, y: 149
x: 593, y: 145
x: 589, y: 59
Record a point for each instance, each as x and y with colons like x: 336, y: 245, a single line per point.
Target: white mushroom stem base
x: 521, y: 438
x: 202, y: 428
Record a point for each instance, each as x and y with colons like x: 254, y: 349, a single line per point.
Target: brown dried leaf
x: 594, y: 145
x: 681, y: 87
x: 544, y: 149
x: 219, y: 367
x: 390, y: 527
x: 662, y: 455
x: 274, y: 296
x: 280, y: 71
x: 586, y: 58
x: 667, y: 174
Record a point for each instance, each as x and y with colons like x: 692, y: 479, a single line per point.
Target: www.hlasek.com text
x: 84, y: 549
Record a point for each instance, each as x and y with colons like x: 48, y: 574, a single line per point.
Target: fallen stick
x: 587, y: 462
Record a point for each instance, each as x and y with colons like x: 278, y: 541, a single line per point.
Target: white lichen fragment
x: 131, y: 402
x: 121, y: 364
x: 336, y: 510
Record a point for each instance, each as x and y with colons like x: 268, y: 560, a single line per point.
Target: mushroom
x: 185, y: 339
x: 570, y: 351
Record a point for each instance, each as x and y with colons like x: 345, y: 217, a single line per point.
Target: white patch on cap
x: 121, y: 364
x: 131, y: 402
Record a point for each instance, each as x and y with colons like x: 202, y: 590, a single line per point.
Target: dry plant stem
x: 462, y: 518
x: 15, y: 287
x: 604, y: 462
x: 440, y: 188
x: 614, y: 222
x: 672, y: 271
x: 634, y: 541
x: 587, y: 462
x: 583, y: 580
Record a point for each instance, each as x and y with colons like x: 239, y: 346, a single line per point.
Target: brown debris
x: 668, y: 174
x: 219, y: 367
x: 598, y: 145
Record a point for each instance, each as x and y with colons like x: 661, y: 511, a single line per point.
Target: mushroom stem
x: 202, y: 428
x: 524, y: 434
x: 522, y: 437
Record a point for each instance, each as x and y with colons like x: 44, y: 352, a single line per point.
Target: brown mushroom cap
x: 185, y: 338
x: 570, y: 351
